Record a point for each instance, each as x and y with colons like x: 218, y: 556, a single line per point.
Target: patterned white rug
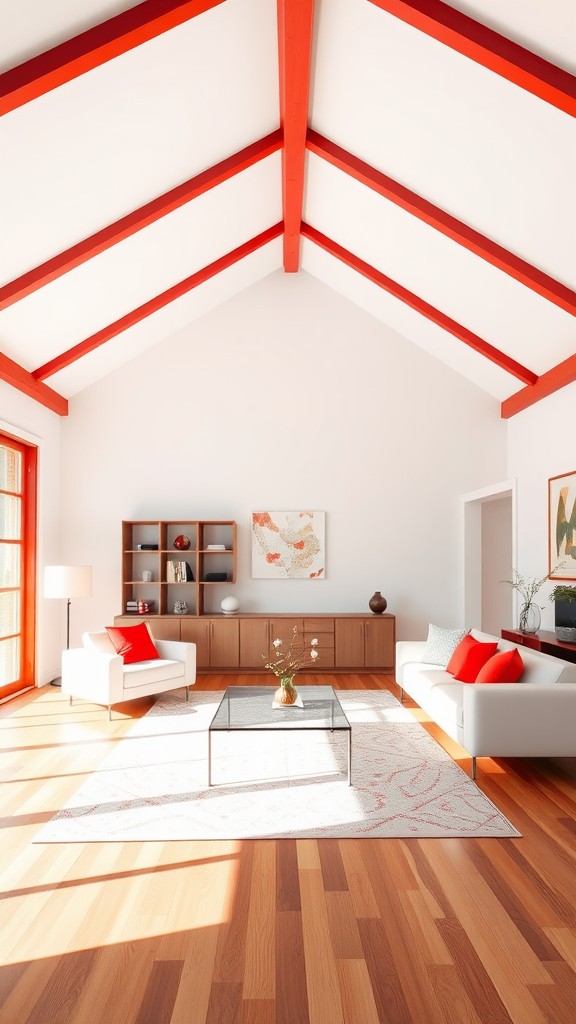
x: 281, y: 784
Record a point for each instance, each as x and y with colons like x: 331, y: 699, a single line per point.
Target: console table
x: 545, y: 641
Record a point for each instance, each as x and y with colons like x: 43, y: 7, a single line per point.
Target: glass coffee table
x: 249, y: 709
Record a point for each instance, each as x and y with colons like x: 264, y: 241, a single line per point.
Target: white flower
x: 313, y: 654
x: 313, y: 643
x: 276, y: 643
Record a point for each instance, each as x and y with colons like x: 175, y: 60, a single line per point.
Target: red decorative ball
x: 182, y: 543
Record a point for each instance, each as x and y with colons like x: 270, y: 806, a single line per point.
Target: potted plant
x: 564, y: 598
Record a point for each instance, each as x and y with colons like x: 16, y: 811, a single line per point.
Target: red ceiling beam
x: 484, y: 46
x: 295, y: 18
x: 415, y: 302
x: 558, y: 377
x: 94, y: 47
x: 438, y: 219
x: 158, y: 302
x: 137, y: 220
x: 24, y: 381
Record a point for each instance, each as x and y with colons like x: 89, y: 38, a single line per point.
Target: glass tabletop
x: 250, y: 707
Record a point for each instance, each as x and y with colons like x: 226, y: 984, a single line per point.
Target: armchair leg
x: 70, y: 699
x: 402, y: 693
x: 473, y: 769
x: 187, y: 692
x: 109, y: 712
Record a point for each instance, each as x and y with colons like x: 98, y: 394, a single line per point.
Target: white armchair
x: 96, y: 673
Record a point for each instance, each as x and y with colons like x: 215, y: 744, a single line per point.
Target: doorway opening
x: 489, y: 554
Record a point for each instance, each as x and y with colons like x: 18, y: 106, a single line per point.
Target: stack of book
x: 179, y: 572
x: 140, y: 607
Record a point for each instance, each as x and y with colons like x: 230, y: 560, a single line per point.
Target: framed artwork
x: 288, y: 545
x: 562, y: 526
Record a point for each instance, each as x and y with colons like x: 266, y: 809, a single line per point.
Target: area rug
x: 153, y: 786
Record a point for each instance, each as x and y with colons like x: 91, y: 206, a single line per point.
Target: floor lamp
x: 67, y: 581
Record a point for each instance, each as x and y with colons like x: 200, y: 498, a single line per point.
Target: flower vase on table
x: 530, y: 618
x: 286, y: 664
x: 286, y: 693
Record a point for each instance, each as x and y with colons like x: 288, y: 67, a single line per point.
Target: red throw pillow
x: 134, y: 643
x: 476, y: 657
x: 460, y: 653
x: 506, y: 667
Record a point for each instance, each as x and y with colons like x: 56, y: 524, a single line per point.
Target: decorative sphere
x: 182, y: 543
x: 230, y: 605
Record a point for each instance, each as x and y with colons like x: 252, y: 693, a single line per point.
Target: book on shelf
x: 146, y: 547
x: 179, y: 572
x: 215, y: 547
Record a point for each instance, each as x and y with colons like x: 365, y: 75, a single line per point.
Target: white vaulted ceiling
x: 437, y: 166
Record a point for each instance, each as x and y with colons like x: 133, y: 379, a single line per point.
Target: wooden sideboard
x: 545, y: 641
x: 347, y: 642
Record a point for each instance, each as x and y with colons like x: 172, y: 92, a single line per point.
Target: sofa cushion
x: 441, y: 644
x: 459, y: 656
x: 99, y: 641
x: 505, y: 667
x: 156, y: 670
x: 134, y: 643
x: 477, y: 656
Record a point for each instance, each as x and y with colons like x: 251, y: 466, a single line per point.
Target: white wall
x: 22, y: 417
x: 541, y: 445
x: 286, y: 397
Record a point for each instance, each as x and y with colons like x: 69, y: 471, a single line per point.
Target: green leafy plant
x: 562, y: 592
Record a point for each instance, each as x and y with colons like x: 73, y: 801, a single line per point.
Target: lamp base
x: 56, y: 682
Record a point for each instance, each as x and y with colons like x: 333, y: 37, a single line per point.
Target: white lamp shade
x: 67, y: 581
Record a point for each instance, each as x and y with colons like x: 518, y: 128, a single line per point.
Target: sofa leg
x: 473, y: 769
x: 109, y: 712
x: 402, y: 694
x: 187, y: 692
x: 70, y: 699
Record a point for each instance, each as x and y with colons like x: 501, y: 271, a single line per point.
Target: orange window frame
x: 28, y: 494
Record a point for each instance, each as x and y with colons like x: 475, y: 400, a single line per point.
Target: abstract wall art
x: 562, y: 527
x: 288, y: 545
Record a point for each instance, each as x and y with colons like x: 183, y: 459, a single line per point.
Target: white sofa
x: 535, y: 717
x: 96, y: 673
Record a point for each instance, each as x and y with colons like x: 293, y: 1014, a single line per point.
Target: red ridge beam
x: 158, y: 302
x: 554, y: 379
x: 295, y: 18
x: 96, y: 46
x: 25, y: 382
x: 438, y: 219
x: 420, y: 305
x: 137, y: 220
x: 487, y: 47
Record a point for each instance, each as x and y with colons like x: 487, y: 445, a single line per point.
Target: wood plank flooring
x: 432, y: 931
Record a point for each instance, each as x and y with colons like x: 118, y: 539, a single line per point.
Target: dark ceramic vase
x: 377, y: 603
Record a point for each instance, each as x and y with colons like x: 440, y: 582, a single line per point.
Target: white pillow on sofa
x: 441, y: 644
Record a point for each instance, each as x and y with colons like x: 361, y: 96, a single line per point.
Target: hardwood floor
x: 277, y: 932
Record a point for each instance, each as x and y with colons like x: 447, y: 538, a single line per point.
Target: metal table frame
x: 316, y: 696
